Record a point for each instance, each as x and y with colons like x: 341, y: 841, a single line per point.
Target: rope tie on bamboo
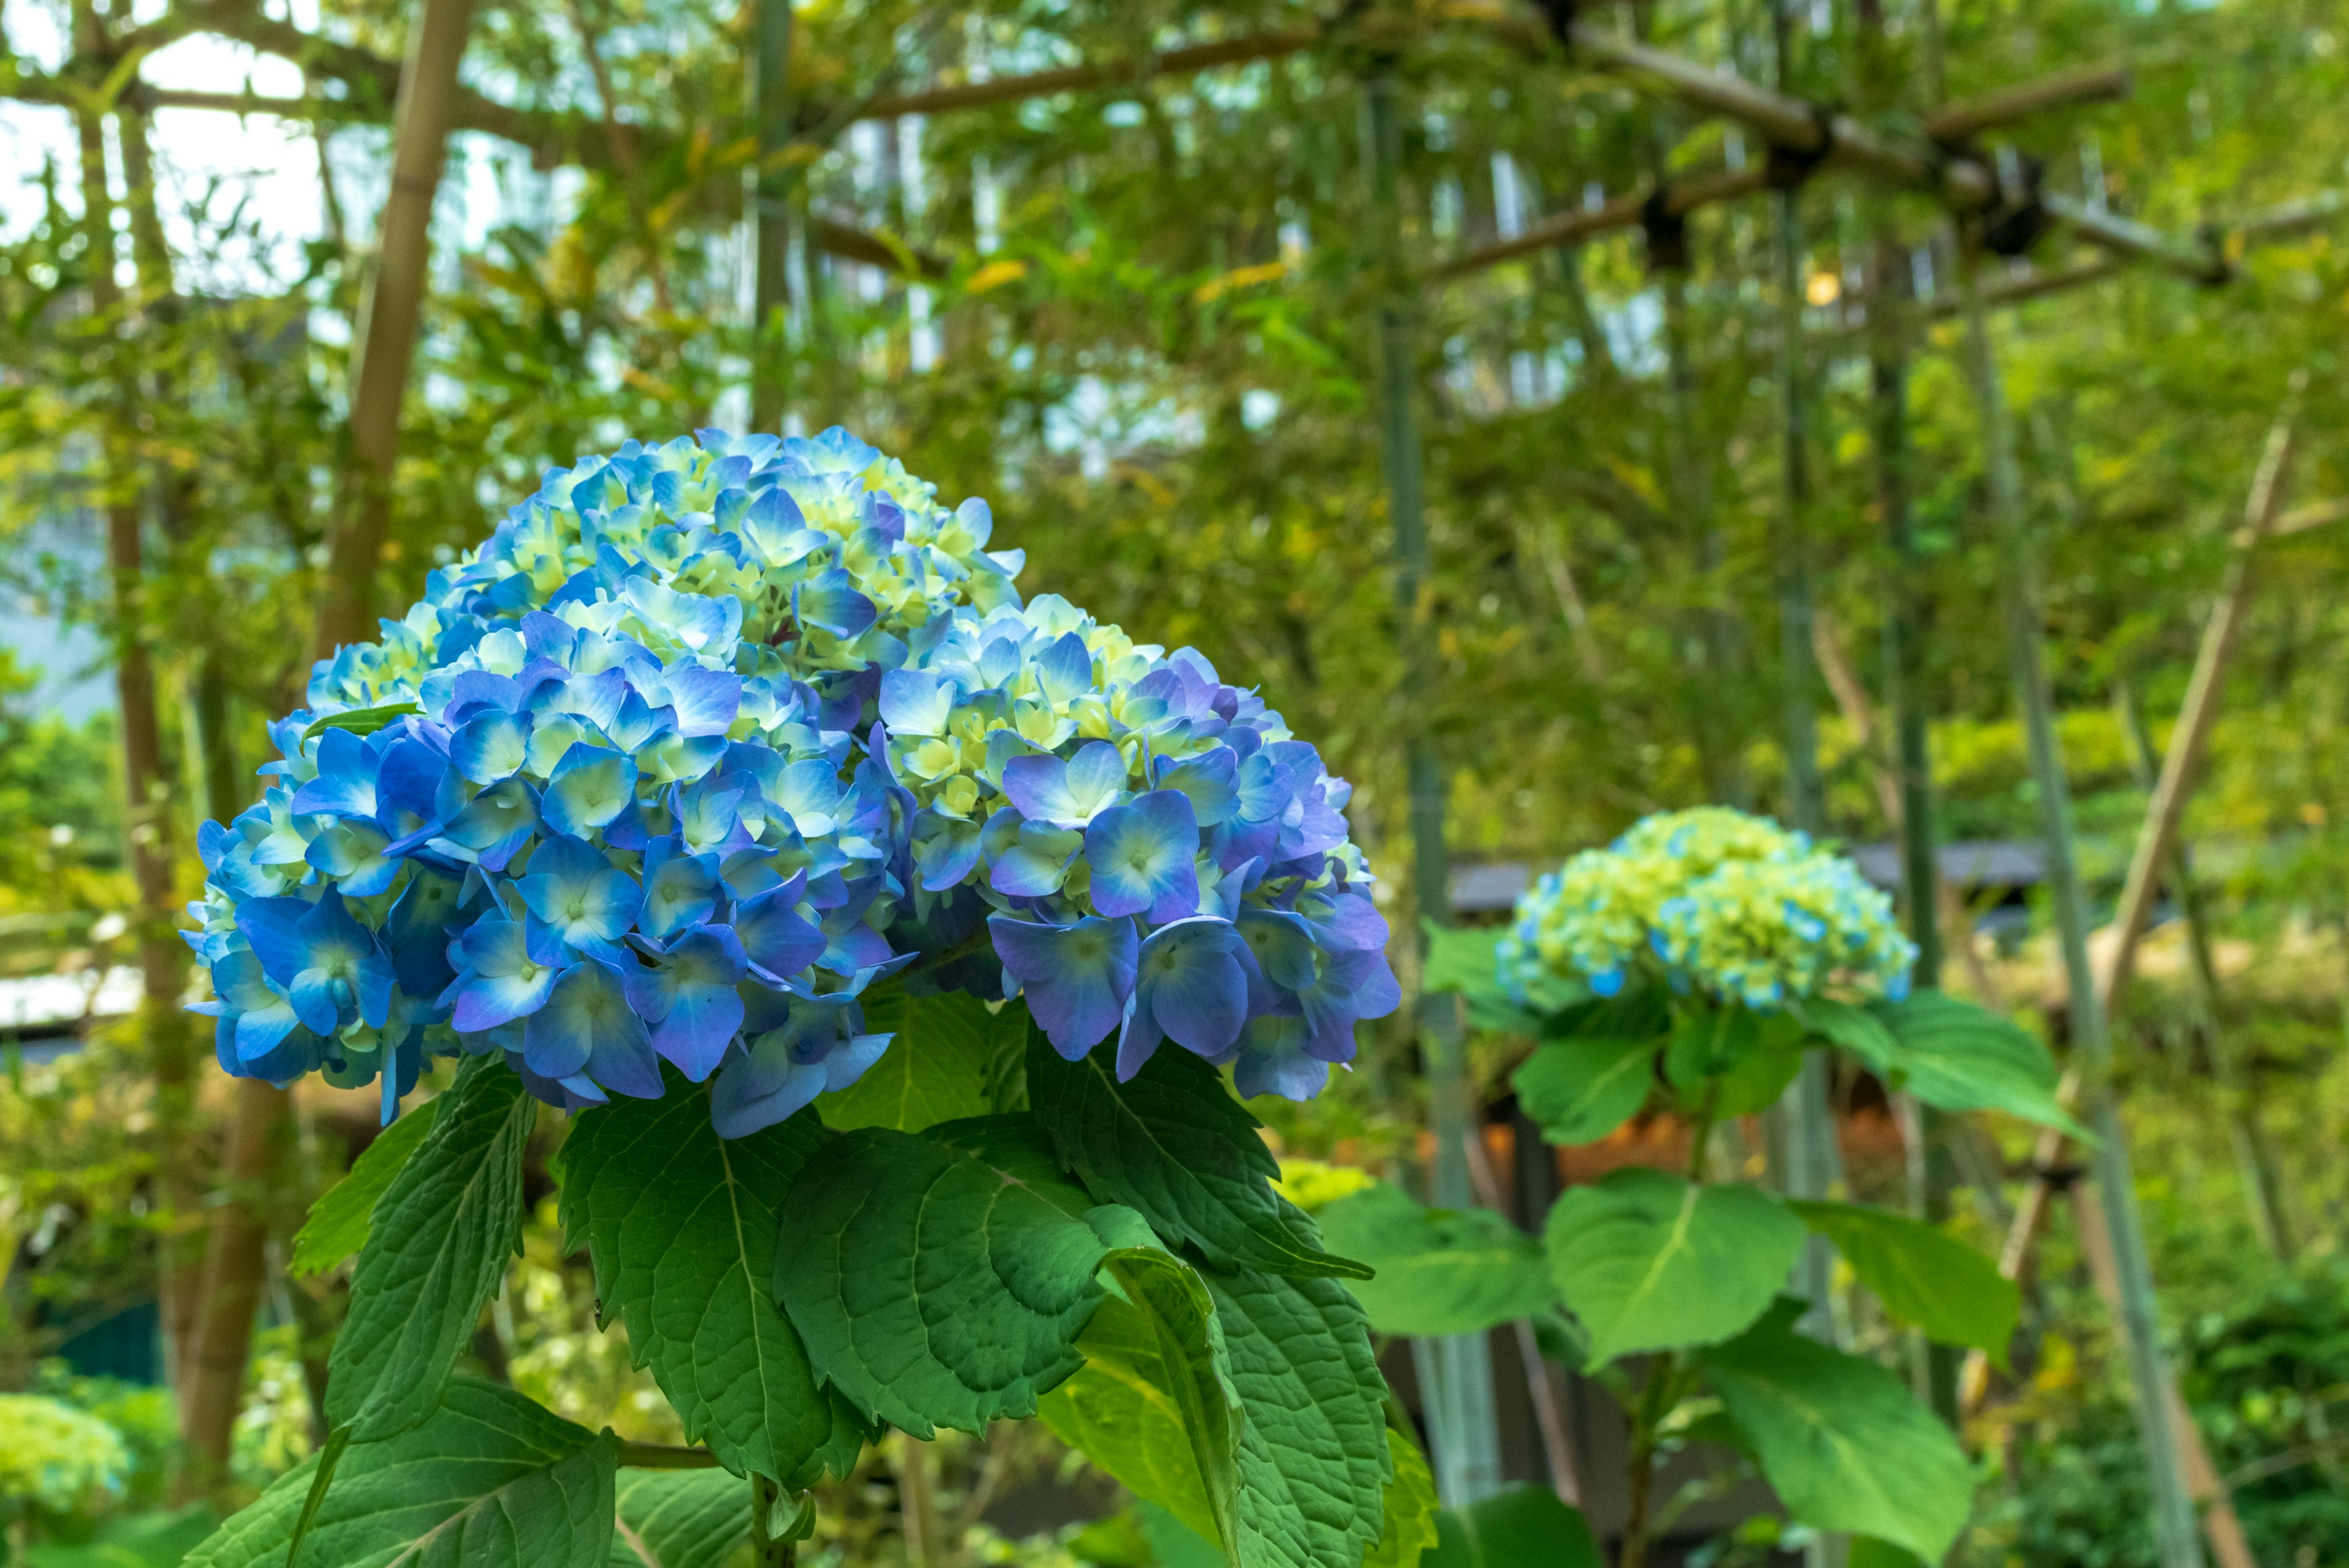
x: 1666, y: 231
x: 2016, y: 217
x: 2059, y: 1178
x: 1561, y: 16
x: 1787, y: 167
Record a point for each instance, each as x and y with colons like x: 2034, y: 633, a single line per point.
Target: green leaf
x: 1960, y: 1057
x: 930, y: 1287
x: 1649, y: 1261
x: 1015, y: 1143
x: 1844, y: 1443
x: 1174, y: 1143
x: 1409, y: 1527
x: 491, y: 1480
x: 360, y: 721
x: 1439, y: 1271
x: 1867, y: 1551
x: 680, y: 1518
x: 338, y: 1225
x: 939, y: 1068
x: 1727, y: 1053
x: 441, y: 1235
x: 680, y: 1226
x: 1526, y: 1527
x: 1173, y: 1543
x: 1923, y: 1275
x: 1466, y: 959
x: 1855, y: 1029
x: 1582, y: 1088
x: 1313, y: 1464
x: 1153, y: 1405
x: 158, y: 1540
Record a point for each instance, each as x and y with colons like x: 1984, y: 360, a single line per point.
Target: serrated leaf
x: 1439, y: 1271
x: 491, y: 1480
x: 1842, y: 1442
x: 361, y: 720
x: 930, y: 1287
x: 680, y: 1226
x: 1313, y: 1463
x: 1153, y: 1405
x: 1649, y: 1261
x: 1923, y: 1275
x: 1174, y: 1145
x: 1855, y: 1029
x: 1525, y: 1527
x: 1409, y: 1520
x: 437, y: 1250
x: 940, y: 1068
x: 1581, y: 1088
x: 337, y: 1223
x: 680, y: 1518
x: 1960, y: 1057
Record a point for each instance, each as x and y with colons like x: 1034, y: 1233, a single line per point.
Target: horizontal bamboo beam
x: 1186, y: 61
x: 2198, y: 258
x: 2083, y: 84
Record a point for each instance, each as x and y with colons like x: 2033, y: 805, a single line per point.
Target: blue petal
x: 1076, y: 977
x: 1142, y: 858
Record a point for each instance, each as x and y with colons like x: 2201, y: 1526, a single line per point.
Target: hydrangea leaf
x: 1525, y: 1527
x: 939, y: 1068
x: 1153, y: 1405
x: 1649, y: 1261
x: 360, y: 721
x: 1583, y: 1088
x: 435, y: 1253
x: 932, y: 1287
x: 680, y: 1518
x: 1960, y: 1057
x: 1313, y: 1461
x: 1174, y: 1143
x: 681, y: 1225
x: 339, y: 1221
x: 1409, y: 1529
x: 1439, y: 1271
x: 1842, y: 1442
x: 1923, y: 1275
x: 1015, y: 1143
x: 491, y: 1480
x: 1739, y: 1058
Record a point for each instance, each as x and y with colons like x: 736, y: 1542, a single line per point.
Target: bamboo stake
x: 1462, y: 1413
x: 388, y: 318
x: 770, y: 106
x: 2173, y: 1506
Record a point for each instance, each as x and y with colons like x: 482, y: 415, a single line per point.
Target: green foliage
x: 338, y: 1222
x: 680, y: 1224
x: 931, y: 1287
x: 1313, y: 1459
x: 359, y: 721
x: 442, y: 1233
x: 1174, y: 1143
x: 1923, y: 1275
x: 489, y: 1481
x: 1581, y: 1088
x: 1960, y: 1057
x: 1525, y: 1527
x: 1730, y: 1060
x: 678, y: 1518
x: 161, y: 1539
x: 1411, y: 1525
x: 1649, y: 1261
x: 1439, y: 1271
x: 1842, y: 1441
x: 1153, y: 1405
x: 941, y: 1067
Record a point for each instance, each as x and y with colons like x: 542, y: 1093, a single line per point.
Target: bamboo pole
x: 1462, y: 1415
x: 389, y: 314
x: 771, y: 109
x: 2173, y: 1506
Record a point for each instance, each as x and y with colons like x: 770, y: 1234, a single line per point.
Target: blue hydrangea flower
x: 708, y: 738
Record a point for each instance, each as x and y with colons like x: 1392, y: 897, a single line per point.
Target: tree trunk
x: 212, y: 1391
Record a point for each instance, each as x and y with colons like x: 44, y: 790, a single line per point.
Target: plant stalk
x: 768, y: 1550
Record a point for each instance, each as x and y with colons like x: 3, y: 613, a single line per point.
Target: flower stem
x: 1656, y: 1396
x: 664, y: 1456
x: 768, y: 1550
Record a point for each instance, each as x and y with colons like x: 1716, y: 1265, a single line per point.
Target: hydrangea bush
x: 885, y: 932
x: 1690, y: 966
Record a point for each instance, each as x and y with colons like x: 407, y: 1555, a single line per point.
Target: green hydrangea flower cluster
x: 1718, y: 901
x: 56, y: 1459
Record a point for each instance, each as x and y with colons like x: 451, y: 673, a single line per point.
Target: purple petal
x: 1076, y: 977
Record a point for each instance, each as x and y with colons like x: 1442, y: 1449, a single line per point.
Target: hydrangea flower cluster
x: 1720, y: 902
x: 709, y: 737
x: 56, y: 1457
